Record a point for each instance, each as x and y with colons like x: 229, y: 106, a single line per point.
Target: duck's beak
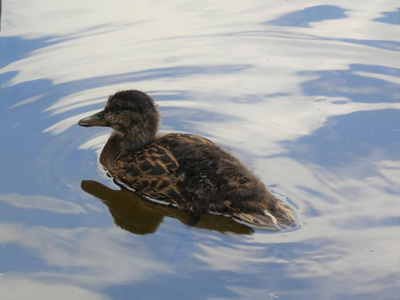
x: 94, y: 120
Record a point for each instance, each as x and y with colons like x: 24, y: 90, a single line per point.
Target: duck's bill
x: 94, y: 120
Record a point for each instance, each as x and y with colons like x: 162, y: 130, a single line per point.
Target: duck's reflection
x: 141, y: 216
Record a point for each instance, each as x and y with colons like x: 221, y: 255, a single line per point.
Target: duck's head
x: 131, y: 114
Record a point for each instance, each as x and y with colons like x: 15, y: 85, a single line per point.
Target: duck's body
x: 185, y: 170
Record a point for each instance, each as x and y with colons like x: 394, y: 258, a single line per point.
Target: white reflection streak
x: 27, y: 101
x: 90, y: 256
x: 232, y: 258
x: 42, y: 203
x: 23, y: 287
x: 383, y: 77
x: 95, y: 143
x: 80, y: 99
x: 263, y: 126
x: 65, y: 124
x: 77, y: 105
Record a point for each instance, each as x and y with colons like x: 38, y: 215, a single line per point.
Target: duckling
x: 187, y: 171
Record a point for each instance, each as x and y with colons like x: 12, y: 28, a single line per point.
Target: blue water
x: 306, y: 94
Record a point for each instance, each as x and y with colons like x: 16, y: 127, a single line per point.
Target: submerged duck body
x: 185, y: 170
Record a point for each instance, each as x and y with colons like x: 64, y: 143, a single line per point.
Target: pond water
x: 304, y: 92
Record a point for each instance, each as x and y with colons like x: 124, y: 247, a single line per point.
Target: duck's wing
x: 150, y: 172
x: 189, y: 138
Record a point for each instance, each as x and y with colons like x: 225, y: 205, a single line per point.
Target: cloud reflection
x: 87, y: 256
x: 23, y: 287
x: 42, y: 203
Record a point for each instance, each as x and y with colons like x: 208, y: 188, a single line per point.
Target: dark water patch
x: 20, y: 260
x: 277, y: 95
x: 303, y: 18
x: 379, y: 128
x: 350, y: 138
x: 381, y: 44
x: 349, y: 84
x: 15, y: 48
x: 393, y: 190
x: 390, y: 17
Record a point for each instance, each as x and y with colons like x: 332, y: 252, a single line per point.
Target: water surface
x: 305, y: 93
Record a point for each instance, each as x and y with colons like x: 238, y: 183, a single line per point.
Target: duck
x: 184, y: 170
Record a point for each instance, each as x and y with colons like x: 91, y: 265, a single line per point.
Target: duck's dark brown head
x: 131, y: 114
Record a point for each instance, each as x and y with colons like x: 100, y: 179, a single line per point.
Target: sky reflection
x: 306, y: 94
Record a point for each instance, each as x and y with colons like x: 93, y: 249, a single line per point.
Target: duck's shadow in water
x: 140, y: 216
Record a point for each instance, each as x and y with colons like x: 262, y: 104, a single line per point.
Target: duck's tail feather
x: 284, y: 214
x: 265, y: 220
x: 280, y: 216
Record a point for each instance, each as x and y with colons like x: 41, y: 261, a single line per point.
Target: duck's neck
x: 111, y: 150
x: 119, y: 145
x: 133, y: 143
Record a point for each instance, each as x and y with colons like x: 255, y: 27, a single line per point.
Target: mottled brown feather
x: 150, y: 172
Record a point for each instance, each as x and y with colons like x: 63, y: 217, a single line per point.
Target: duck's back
x: 193, y: 173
